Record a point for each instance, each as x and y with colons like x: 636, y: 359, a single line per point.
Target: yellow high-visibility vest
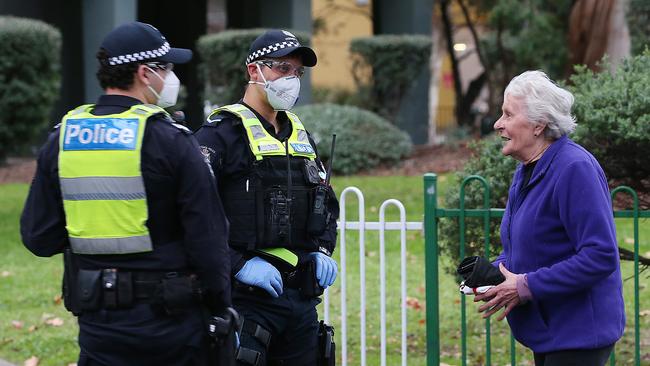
x: 104, y: 198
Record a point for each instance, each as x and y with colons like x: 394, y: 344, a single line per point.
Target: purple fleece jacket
x: 560, y: 232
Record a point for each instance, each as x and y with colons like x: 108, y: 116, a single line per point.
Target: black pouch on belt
x: 177, y: 293
x: 309, y: 287
x: 90, y: 292
x: 478, y: 271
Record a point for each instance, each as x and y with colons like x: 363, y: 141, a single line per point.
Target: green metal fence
x: 432, y: 215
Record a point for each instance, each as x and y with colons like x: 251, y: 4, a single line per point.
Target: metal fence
x: 432, y: 215
x: 361, y: 227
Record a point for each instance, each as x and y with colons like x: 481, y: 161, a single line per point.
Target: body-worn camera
x: 318, y: 217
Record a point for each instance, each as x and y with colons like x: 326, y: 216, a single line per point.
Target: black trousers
x: 142, y: 336
x: 580, y: 357
x: 291, y: 320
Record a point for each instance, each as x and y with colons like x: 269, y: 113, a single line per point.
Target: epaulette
x: 182, y: 128
x: 215, y: 119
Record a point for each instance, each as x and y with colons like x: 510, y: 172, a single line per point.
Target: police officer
x: 282, y: 213
x: 125, y: 188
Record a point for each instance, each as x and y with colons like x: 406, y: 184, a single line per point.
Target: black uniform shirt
x: 186, y: 221
x: 225, y: 144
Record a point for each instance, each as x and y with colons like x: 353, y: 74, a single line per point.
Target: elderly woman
x: 562, y: 292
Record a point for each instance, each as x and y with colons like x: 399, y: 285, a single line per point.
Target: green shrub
x: 385, y: 67
x: 223, y: 56
x: 363, y: 139
x: 488, y: 162
x: 29, y: 80
x: 613, y: 113
x: 336, y: 96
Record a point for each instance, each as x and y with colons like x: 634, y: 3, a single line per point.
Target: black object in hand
x: 478, y: 271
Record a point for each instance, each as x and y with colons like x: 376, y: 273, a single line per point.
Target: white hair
x: 545, y: 102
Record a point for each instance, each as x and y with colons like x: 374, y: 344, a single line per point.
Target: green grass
x: 29, y: 287
x: 28, y: 293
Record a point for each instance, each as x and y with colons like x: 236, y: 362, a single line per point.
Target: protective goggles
x: 283, y: 67
x: 168, y: 66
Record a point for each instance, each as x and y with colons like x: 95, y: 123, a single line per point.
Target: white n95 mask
x: 169, y: 93
x: 281, y: 93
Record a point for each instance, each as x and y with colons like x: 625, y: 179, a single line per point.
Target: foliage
x: 363, y: 139
x: 522, y: 37
x: 638, y: 18
x: 29, y: 79
x: 336, y: 96
x: 489, y: 163
x: 384, y: 68
x: 223, y: 56
x: 613, y: 113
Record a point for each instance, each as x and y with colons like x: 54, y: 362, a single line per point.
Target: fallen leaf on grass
x: 46, y: 316
x: 5, y: 274
x: 32, y: 328
x: 17, y: 324
x: 413, y: 303
x: 55, y: 322
x: 644, y: 313
x: 628, y: 240
x: 57, y: 299
x: 32, y: 361
x: 72, y: 364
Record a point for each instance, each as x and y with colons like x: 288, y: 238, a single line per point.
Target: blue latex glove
x: 258, y: 272
x: 326, y: 269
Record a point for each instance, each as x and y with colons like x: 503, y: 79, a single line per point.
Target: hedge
x: 364, y: 140
x: 29, y: 80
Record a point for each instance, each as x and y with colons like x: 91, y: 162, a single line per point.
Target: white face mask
x: 282, y: 93
x: 169, y: 93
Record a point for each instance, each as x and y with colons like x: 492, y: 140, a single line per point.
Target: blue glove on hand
x: 326, y: 269
x: 258, y: 272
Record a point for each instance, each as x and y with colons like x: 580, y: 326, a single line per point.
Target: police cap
x: 278, y: 43
x: 138, y: 42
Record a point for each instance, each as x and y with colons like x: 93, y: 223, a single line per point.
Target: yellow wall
x: 343, y: 20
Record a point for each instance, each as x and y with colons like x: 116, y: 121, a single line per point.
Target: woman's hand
x: 504, y: 296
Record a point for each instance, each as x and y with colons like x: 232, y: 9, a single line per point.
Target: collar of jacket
x: 543, y: 163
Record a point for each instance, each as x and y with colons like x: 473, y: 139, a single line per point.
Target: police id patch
x: 302, y: 148
x: 100, y: 134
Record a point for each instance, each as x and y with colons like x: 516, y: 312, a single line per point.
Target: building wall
x: 337, y: 22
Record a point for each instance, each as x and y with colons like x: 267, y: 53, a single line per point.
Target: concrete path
x: 5, y: 363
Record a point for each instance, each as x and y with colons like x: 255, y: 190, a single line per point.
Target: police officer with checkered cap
x: 128, y: 196
x: 280, y: 263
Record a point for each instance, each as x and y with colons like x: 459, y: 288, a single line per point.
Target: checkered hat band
x: 139, y: 56
x: 269, y: 49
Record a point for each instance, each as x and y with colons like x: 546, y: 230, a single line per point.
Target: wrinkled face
x: 517, y: 133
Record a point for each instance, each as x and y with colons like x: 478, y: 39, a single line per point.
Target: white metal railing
x: 361, y: 226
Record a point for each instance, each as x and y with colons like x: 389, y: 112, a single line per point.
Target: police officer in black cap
x: 281, y: 210
x: 125, y: 188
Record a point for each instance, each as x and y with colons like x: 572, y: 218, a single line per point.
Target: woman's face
x: 517, y: 133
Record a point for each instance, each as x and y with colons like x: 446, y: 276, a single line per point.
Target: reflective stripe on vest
x: 103, y: 192
x: 262, y: 143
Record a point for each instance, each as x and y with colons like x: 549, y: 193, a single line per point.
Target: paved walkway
x: 5, y: 363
